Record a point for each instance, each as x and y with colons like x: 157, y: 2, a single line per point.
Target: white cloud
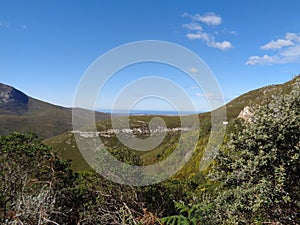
x: 208, y: 18
x: 199, y: 35
x: 292, y: 37
x: 196, y: 31
x: 293, y: 51
x: 192, y: 26
x: 287, y: 50
x: 280, y: 43
x: 224, y: 45
x: 193, y: 36
x: 266, y: 59
x: 210, y: 40
x: 193, y: 70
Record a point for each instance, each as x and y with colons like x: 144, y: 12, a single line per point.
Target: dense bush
x: 33, y: 181
x: 36, y: 187
x: 256, y: 178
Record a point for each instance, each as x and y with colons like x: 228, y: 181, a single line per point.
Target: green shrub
x: 257, y: 174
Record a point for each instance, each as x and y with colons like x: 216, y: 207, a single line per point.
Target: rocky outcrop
x: 246, y: 114
x: 12, y: 101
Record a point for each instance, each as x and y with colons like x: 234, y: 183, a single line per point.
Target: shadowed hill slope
x: 21, y: 113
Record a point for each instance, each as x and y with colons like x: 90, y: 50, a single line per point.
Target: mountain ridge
x: 22, y: 113
x: 12, y: 100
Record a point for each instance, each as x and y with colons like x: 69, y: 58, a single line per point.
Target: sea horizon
x: 149, y: 112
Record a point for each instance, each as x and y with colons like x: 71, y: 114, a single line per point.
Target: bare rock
x: 246, y: 114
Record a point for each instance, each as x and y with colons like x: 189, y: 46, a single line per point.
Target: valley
x: 60, y: 169
x: 150, y: 112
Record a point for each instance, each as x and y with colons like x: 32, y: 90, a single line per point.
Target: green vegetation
x: 65, y: 145
x: 254, y: 179
x: 34, y: 182
x: 38, y: 188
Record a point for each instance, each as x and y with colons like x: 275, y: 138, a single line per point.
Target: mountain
x: 65, y: 144
x: 21, y: 113
x: 258, y: 96
x: 12, y: 101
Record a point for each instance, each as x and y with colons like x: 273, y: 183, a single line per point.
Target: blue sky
x: 46, y: 46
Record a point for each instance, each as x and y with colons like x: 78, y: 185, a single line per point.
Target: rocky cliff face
x: 12, y: 101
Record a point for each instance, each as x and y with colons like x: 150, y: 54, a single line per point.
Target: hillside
x: 22, y: 113
x: 254, y: 178
x: 257, y: 96
x: 66, y: 146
